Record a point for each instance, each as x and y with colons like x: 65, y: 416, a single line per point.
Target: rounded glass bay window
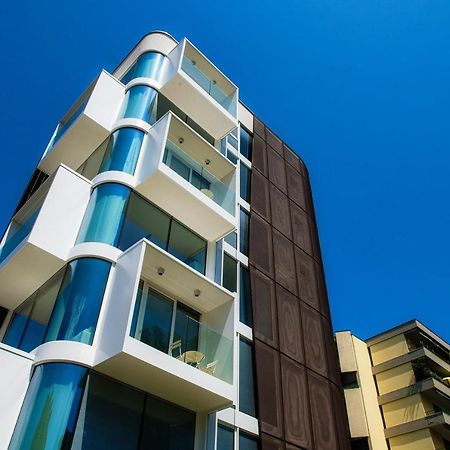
x: 148, y: 65
x: 140, y: 103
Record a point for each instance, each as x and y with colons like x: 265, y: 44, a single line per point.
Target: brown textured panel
x: 341, y: 418
x: 322, y: 291
x: 264, y: 308
x: 291, y: 157
x: 260, y: 195
x: 260, y: 249
x: 295, y: 403
x: 274, y: 141
x: 268, y: 380
x: 315, y: 240
x: 306, y: 276
x: 279, y: 204
x: 296, y: 187
x: 322, y: 413
x: 259, y: 156
x: 292, y: 447
x: 330, y: 345
x: 271, y: 443
x: 276, y: 169
x: 284, y: 262
x: 301, y: 228
x: 290, y: 330
x: 259, y: 127
x: 315, y: 349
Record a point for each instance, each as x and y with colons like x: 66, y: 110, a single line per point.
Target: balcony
x: 85, y: 126
x: 198, y: 87
x: 173, y: 330
x: 40, y: 235
x: 177, y: 163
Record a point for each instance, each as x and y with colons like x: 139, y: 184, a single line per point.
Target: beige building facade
x: 397, y: 389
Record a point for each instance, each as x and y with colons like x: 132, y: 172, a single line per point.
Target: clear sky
x: 359, y: 88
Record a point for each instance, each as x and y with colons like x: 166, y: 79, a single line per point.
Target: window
x: 245, y: 182
x: 245, y: 144
x: 225, y: 437
x: 148, y: 65
x: 3, y: 314
x: 246, y: 378
x: 244, y: 224
x: 140, y: 103
x: 245, y: 297
x: 229, y: 279
x: 349, y: 380
x: 247, y: 442
x: 231, y: 239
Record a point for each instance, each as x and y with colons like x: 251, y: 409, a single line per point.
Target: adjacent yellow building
x: 397, y: 389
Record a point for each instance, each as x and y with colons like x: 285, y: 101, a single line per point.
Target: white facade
x: 204, y: 199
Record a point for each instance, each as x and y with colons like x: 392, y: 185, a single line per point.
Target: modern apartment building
x: 396, y: 388
x: 161, y: 277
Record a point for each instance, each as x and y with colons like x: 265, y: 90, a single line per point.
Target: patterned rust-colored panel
x: 306, y: 276
x: 271, y: 443
x: 322, y: 413
x: 291, y: 158
x: 301, y: 227
x: 274, y: 141
x: 290, y: 326
x: 296, y: 187
x: 315, y: 350
x: 340, y: 415
x: 284, y: 262
x: 260, y: 195
x: 276, y: 169
x: 259, y: 155
x: 268, y: 380
x: 295, y: 402
x: 330, y: 345
x: 259, y: 127
x: 264, y: 308
x: 280, y: 211
x: 261, y: 245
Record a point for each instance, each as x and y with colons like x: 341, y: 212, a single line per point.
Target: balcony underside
x: 146, y: 368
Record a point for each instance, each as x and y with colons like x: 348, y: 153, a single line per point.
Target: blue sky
x: 359, y: 88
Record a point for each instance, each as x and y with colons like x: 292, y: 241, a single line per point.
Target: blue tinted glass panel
x: 247, y: 442
x: 186, y: 328
x: 123, y: 150
x: 49, y: 412
x: 246, y: 378
x: 104, y: 215
x: 229, y: 278
x: 225, y: 438
x: 245, y: 298
x: 244, y: 223
x: 77, y: 307
x: 140, y: 103
x: 245, y: 143
x: 231, y: 239
x: 16, y: 327
x: 148, y: 65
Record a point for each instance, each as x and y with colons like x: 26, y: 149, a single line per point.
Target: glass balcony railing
x: 228, y: 102
x: 172, y: 329
x: 193, y: 172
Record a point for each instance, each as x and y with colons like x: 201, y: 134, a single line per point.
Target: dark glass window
x: 229, y: 280
x: 245, y: 145
x: 360, y: 444
x: 187, y: 328
x: 246, y: 378
x: 245, y: 181
x: 244, y: 223
x: 349, y: 380
x: 110, y: 416
x: 245, y: 297
x: 247, y: 442
x: 3, y: 314
x: 232, y: 157
x: 225, y: 438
